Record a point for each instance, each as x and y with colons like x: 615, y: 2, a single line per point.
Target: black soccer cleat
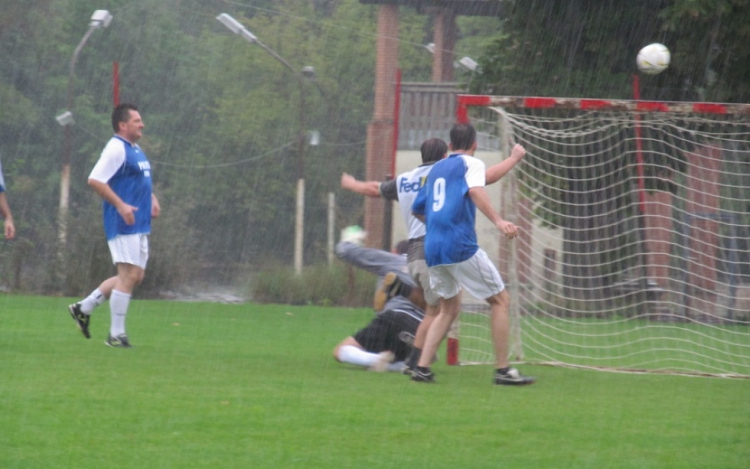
x: 82, y: 320
x: 120, y: 341
x: 513, y: 377
x: 421, y: 376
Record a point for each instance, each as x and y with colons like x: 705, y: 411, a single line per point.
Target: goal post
x: 634, y: 222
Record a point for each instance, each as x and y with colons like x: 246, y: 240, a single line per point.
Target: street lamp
x: 306, y: 73
x: 100, y: 19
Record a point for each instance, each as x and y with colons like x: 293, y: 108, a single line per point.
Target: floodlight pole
x: 100, y: 19
x: 299, y: 218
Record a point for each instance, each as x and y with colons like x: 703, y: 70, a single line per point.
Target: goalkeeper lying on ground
x: 385, y: 342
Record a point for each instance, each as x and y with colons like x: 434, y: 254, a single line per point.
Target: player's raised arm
x: 495, y: 172
x: 366, y: 188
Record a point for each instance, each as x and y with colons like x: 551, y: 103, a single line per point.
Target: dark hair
x: 402, y: 247
x: 463, y: 136
x: 121, y: 114
x: 433, y: 149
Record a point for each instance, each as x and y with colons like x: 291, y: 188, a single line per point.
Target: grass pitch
x: 210, y: 385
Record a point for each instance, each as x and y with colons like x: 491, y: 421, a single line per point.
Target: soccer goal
x: 634, y: 222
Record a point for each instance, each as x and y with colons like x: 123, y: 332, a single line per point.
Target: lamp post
x: 306, y: 73
x: 100, y: 19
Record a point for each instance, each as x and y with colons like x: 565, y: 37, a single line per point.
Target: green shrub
x: 322, y: 285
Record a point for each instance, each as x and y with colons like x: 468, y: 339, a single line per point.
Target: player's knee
x: 502, y: 299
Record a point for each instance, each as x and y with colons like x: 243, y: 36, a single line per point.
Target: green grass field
x: 255, y: 386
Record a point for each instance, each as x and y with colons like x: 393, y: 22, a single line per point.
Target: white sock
x: 118, y: 305
x: 356, y: 356
x: 92, y: 301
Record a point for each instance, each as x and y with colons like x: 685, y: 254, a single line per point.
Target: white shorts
x: 478, y: 275
x: 129, y: 249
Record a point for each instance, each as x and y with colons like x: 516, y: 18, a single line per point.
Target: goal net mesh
x: 633, y: 245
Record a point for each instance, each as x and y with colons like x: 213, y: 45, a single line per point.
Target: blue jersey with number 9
x: 448, y: 210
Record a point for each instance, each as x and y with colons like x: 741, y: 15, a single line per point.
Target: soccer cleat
x: 82, y: 320
x: 389, y: 287
x: 384, y: 359
x: 513, y: 377
x: 422, y: 376
x: 119, y: 341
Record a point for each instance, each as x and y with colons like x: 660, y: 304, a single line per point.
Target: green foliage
x: 337, y: 285
x: 587, y: 48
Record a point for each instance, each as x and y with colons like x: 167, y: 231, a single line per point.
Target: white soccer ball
x: 353, y: 234
x: 653, y: 59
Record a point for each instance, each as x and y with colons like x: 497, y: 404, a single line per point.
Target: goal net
x: 634, y: 228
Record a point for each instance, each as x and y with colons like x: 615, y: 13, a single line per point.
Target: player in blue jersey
x: 404, y: 188
x: 8, y: 227
x: 447, y: 204
x: 122, y: 177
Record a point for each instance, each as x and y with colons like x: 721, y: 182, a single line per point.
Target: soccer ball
x: 653, y: 59
x: 353, y: 234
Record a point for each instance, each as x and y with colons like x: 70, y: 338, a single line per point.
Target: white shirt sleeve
x: 112, y: 159
x: 475, y: 172
x: 2, y: 181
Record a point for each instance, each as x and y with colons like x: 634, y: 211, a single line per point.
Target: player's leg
x: 447, y: 287
x: 350, y: 351
x: 375, y: 261
x: 130, y: 254
x: 421, y: 275
x: 81, y: 311
x: 480, y: 277
x: 500, y: 327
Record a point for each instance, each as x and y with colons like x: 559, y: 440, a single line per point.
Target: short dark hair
x: 121, y: 114
x: 463, y: 136
x: 433, y: 149
x: 402, y: 247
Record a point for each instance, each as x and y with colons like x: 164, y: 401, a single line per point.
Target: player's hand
x: 347, y: 180
x: 10, y: 229
x: 518, y: 152
x: 127, y: 212
x: 507, y: 228
x: 155, y: 207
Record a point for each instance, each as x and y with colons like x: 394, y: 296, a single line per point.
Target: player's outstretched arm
x: 495, y: 172
x: 366, y: 188
x: 482, y: 201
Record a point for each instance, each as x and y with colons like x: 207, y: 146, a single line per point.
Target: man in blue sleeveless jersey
x: 447, y: 203
x: 8, y: 227
x: 122, y: 177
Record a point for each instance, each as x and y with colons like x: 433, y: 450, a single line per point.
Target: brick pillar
x: 659, y: 231
x: 703, y: 198
x: 444, y: 38
x: 380, y: 129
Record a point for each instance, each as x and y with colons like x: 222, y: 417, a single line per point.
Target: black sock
x: 503, y: 371
x: 424, y: 370
x: 413, y: 358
